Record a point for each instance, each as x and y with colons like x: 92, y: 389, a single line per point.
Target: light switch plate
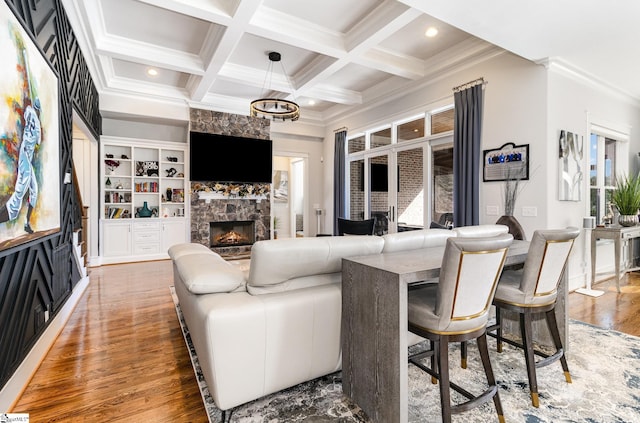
x: 492, y: 210
x: 530, y: 211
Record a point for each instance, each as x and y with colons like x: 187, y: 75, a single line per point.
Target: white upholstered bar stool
x: 534, y: 289
x: 456, y: 309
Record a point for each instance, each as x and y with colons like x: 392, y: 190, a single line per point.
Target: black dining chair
x: 356, y: 227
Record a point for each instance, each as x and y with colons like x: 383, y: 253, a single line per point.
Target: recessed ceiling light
x: 312, y: 102
x: 152, y: 72
x: 431, y: 32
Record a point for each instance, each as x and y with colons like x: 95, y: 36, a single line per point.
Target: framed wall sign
x: 29, y: 138
x: 510, y: 161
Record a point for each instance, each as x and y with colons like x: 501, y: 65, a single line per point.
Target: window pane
x: 593, y: 159
x: 356, y: 192
x: 609, y: 162
x: 381, y: 138
x: 356, y: 144
x: 411, y: 192
x: 442, y: 207
x: 411, y: 130
x: 379, y: 187
x: 594, y: 203
x: 442, y: 122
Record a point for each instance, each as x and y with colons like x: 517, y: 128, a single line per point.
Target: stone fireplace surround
x: 228, y: 209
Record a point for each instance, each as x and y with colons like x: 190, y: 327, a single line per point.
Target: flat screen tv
x: 378, y: 177
x: 225, y: 158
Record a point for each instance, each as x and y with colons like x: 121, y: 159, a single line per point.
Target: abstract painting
x: 570, y: 149
x: 29, y: 138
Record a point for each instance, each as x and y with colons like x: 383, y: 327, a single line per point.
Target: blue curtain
x: 467, y: 133
x: 339, y: 170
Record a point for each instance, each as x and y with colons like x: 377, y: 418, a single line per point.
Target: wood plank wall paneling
x: 40, y: 276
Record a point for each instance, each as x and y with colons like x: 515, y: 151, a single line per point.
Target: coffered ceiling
x: 336, y: 54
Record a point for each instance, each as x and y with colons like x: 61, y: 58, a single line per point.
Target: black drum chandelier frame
x: 275, y: 108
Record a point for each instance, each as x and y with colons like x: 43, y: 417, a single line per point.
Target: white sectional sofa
x: 278, y: 324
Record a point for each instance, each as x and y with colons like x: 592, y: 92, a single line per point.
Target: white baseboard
x: 12, y: 391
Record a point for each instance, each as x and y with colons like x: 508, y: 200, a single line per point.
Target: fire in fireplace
x: 232, y: 234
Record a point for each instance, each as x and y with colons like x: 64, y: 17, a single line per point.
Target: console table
x: 618, y: 234
x: 375, y: 325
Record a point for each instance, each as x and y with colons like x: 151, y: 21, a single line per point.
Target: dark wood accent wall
x: 38, y: 277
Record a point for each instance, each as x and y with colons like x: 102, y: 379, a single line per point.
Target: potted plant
x: 511, y: 189
x: 626, y: 198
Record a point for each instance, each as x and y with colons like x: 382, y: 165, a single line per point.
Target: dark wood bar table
x: 374, y: 325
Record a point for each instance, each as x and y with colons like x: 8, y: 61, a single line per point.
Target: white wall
x: 168, y: 131
x: 515, y: 99
x: 525, y: 103
x: 573, y: 104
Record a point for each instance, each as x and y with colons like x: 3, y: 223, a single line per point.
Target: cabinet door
x: 116, y: 239
x: 173, y: 232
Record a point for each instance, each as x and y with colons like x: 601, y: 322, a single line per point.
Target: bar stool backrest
x: 469, y: 275
x: 546, y: 260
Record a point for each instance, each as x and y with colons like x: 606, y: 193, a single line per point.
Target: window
x: 415, y: 154
x: 442, y: 121
x: 356, y: 144
x: 603, y: 169
x: 411, y: 130
x: 381, y: 138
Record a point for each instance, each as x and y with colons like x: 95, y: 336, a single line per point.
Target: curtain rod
x: 344, y: 128
x: 470, y: 84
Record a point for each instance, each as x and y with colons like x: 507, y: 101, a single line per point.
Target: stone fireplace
x: 208, y: 216
x: 233, y: 219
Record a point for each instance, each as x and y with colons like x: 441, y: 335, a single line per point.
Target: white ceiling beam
x: 149, y: 54
x: 226, y: 44
x: 250, y: 76
x: 381, y: 23
x: 282, y: 27
x: 392, y: 62
x: 217, y: 11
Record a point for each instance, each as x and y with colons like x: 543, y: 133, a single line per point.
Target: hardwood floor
x: 122, y: 357
x: 613, y: 310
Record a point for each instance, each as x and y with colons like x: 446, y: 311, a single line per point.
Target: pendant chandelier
x: 275, y: 108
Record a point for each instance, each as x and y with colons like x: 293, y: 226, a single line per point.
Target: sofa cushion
x: 204, y: 273
x: 412, y: 240
x: 179, y: 250
x: 278, y: 264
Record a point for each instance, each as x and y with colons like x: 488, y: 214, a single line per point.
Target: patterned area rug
x: 604, y: 365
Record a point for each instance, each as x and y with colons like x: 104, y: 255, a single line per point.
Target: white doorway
x: 289, y: 208
x: 85, y: 158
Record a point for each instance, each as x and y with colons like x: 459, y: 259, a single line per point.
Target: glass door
x: 441, y: 171
x: 406, y: 187
x: 410, y: 202
x: 381, y: 189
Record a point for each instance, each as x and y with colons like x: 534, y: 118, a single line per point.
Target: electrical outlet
x: 492, y: 210
x: 530, y: 211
